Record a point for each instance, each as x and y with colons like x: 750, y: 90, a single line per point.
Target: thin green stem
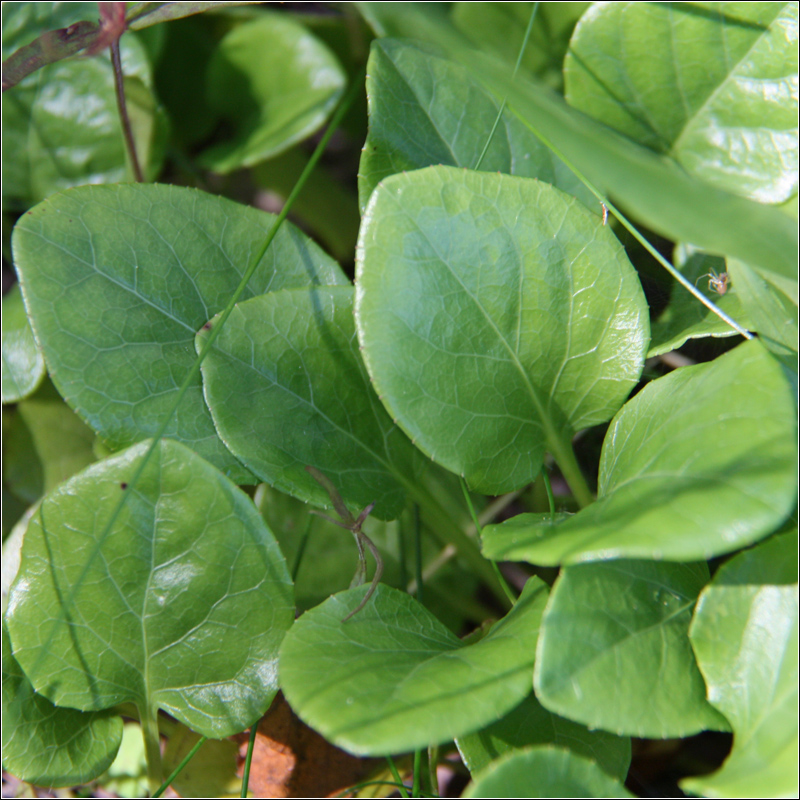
x: 506, y: 588
x: 564, y: 456
x: 514, y: 75
x: 298, y: 557
x: 190, y: 379
x: 177, y: 771
x: 396, y: 775
x: 416, y: 785
x: 418, y: 551
x: 549, y: 489
x: 629, y: 226
x: 152, y: 748
x: 251, y: 743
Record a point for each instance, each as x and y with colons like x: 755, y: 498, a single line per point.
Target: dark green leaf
x: 118, y: 280
x: 23, y: 365
x: 745, y: 635
x: 713, y: 86
x: 394, y: 678
x: 47, y: 745
x: 180, y: 606
x: 530, y: 723
x: 545, y: 772
x: 700, y: 463
x: 287, y: 389
x: 447, y: 119
x: 498, y: 316
x: 614, y: 649
x: 276, y: 83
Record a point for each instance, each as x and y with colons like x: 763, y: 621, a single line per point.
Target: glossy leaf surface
x: 682, y: 209
x: 745, y: 636
x: 118, y: 280
x: 498, y: 316
x: 47, y: 745
x: 61, y: 125
x: 447, y: 118
x: 23, y: 365
x: 393, y: 678
x: 713, y: 87
x: 614, y: 649
x: 531, y: 724
x: 287, y: 389
x: 685, y: 317
x: 716, y: 473
x: 545, y: 772
x: 276, y: 83
x: 180, y: 606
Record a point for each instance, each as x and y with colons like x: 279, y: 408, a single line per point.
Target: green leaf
x: 23, y: 365
x: 744, y: 633
x: 287, y: 389
x: 499, y: 29
x: 47, y: 745
x: 700, y: 463
x: 614, y: 649
x: 180, y: 606
x: 713, y: 87
x: 393, y: 678
x: 276, y: 83
x: 530, y: 723
x: 682, y: 208
x: 489, y: 328
x: 61, y: 125
x: 47, y: 445
x: 771, y: 305
x: 118, y: 279
x: 545, y: 772
x: 435, y: 127
x: 686, y: 318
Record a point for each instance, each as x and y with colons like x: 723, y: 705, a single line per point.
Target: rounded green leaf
x: 497, y: 315
x: 393, y: 678
x: 61, y: 125
x: 530, y: 723
x: 614, y: 649
x: 700, y: 463
x: 47, y: 745
x: 434, y: 128
x: 745, y: 635
x: 118, y: 279
x: 545, y: 772
x: 23, y: 365
x: 287, y: 389
x: 276, y: 83
x: 714, y: 88
x: 178, y: 602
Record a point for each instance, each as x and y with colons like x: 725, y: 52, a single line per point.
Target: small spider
x: 718, y: 281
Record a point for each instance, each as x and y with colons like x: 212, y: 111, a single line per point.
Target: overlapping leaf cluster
x: 494, y: 316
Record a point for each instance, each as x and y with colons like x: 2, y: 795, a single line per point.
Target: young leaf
x: 744, y: 633
x: 498, y: 316
x: 714, y: 88
x: 394, y: 678
x: 287, y: 389
x: 118, y: 279
x: 435, y: 127
x: 23, y: 365
x: 700, y: 463
x: 530, y: 723
x: 47, y: 745
x: 276, y: 83
x: 544, y: 772
x: 614, y: 650
x: 181, y: 606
